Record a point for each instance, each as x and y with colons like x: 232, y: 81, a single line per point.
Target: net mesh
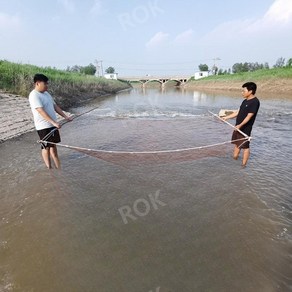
x: 148, y: 139
x: 160, y: 157
x: 155, y: 157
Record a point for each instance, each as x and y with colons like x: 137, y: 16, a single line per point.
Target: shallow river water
x: 181, y: 221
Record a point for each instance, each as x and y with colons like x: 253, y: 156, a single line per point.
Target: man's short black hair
x: 40, y: 78
x: 250, y: 86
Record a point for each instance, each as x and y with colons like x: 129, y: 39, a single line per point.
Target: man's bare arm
x: 44, y: 114
x: 231, y: 116
x: 61, y: 113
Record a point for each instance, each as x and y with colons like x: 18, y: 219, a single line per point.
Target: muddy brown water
x: 175, y: 223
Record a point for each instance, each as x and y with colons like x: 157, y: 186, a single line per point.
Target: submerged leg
x: 236, y: 152
x: 245, y: 157
x: 46, y: 157
x: 54, y: 154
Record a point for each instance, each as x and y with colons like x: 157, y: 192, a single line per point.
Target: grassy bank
x: 67, y: 88
x: 263, y: 74
x: 276, y: 80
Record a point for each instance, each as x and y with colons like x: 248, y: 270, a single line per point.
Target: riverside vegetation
x: 70, y: 88
x: 67, y: 88
x: 275, y: 80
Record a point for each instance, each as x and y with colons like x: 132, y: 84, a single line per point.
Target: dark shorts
x: 50, y: 135
x: 242, y: 144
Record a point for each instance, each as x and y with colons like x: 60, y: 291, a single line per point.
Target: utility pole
x: 215, y: 68
x: 99, y: 68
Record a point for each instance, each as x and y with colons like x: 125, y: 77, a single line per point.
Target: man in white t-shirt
x: 44, y: 111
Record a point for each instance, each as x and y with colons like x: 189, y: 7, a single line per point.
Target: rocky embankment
x: 15, y: 116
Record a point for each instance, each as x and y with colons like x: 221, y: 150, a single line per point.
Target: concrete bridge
x: 179, y: 80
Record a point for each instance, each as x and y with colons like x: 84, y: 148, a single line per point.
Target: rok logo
x: 141, y: 207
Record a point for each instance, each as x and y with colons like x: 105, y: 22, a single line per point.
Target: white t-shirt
x: 44, y: 100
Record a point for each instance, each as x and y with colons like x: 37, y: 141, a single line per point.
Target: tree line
x: 246, y: 67
x: 87, y: 70
x: 236, y: 68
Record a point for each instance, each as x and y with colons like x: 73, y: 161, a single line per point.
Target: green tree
x: 248, y: 67
x: 203, y: 67
x: 289, y: 63
x: 280, y: 63
x: 236, y: 68
x: 245, y: 67
x: 110, y: 70
x: 88, y: 70
x: 74, y: 68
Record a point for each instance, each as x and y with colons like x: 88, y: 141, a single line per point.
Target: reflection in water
x: 199, y: 96
x: 193, y: 224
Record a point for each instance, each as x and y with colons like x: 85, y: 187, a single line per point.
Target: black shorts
x: 50, y: 135
x: 242, y: 144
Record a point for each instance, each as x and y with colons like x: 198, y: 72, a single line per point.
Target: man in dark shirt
x: 245, y: 118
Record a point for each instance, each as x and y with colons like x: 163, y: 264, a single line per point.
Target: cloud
x: 68, y: 5
x: 184, y: 37
x: 232, y: 30
x: 9, y: 22
x: 280, y: 12
x: 277, y: 19
x: 97, y: 8
x: 251, y: 40
x: 159, y: 39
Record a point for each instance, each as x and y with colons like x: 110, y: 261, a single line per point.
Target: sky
x: 140, y: 37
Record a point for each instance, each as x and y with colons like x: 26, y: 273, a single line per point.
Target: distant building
x: 201, y: 74
x: 111, y: 76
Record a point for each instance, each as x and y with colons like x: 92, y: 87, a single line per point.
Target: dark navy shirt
x: 248, y: 106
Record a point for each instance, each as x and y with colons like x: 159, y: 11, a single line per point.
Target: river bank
x: 266, y: 87
x: 69, y: 89
x: 16, y: 117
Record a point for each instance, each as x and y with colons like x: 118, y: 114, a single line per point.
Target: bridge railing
x: 140, y: 78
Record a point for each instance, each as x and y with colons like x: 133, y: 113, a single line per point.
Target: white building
x: 201, y: 74
x: 111, y: 76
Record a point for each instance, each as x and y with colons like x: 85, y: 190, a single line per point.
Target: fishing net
x: 149, y: 154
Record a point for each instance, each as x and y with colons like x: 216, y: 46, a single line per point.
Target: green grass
x: 66, y: 87
x: 263, y: 74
